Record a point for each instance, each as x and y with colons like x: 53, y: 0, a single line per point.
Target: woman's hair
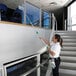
x: 59, y: 39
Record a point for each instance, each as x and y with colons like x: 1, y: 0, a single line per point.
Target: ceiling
x: 49, y: 4
x: 12, y: 3
x: 44, y: 4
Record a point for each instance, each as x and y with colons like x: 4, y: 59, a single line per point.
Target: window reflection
x: 46, y: 20
x: 32, y: 15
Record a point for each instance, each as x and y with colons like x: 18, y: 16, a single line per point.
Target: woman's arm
x: 51, y: 52
x: 45, y: 40
x: 48, y: 43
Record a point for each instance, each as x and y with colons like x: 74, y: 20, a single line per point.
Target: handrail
x: 32, y: 70
x: 53, y: 28
x: 0, y: 15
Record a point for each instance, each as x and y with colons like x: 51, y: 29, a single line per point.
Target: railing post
x: 0, y: 15
x: 40, y: 17
x: 38, y: 63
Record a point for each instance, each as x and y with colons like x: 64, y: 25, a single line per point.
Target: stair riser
x: 68, y: 37
x: 67, y: 72
x: 68, y: 53
x: 69, y: 48
x: 68, y: 59
x: 65, y: 67
x: 69, y: 40
x: 65, y: 75
x: 69, y: 45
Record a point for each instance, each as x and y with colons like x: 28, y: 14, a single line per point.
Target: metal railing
x: 32, y: 70
x: 0, y: 15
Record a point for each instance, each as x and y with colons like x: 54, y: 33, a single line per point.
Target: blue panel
x: 17, y: 16
x: 46, y: 20
x: 3, y: 10
x: 32, y: 14
x: 3, y: 7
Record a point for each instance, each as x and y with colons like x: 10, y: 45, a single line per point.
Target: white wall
x: 20, y: 41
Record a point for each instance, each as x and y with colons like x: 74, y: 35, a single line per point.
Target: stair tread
x: 70, y: 43
x: 66, y: 64
x: 67, y: 71
x: 70, y: 40
x: 68, y: 53
x: 67, y: 47
x: 70, y: 37
x: 68, y: 58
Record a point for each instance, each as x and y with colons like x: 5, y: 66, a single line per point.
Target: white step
x: 66, y: 72
x: 66, y: 65
x: 69, y: 40
x: 68, y: 37
x: 69, y: 44
x: 68, y: 48
x: 68, y: 59
x: 68, y: 53
x: 67, y: 34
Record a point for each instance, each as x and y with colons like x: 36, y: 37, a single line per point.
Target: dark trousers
x: 56, y: 69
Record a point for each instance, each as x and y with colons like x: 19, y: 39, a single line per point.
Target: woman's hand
x: 48, y: 47
x: 45, y: 40
x: 40, y: 38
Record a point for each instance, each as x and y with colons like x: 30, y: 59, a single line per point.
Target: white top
x: 55, y: 47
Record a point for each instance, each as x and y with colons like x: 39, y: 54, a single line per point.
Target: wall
x: 20, y: 41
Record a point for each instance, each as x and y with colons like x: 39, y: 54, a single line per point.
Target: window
x: 32, y: 15
x: 73, y: 13
x: 72, y: 16
x: 46, y: 20
x: 22, y: 67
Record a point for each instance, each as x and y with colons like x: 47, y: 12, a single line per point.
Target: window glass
x: 20, y: 68
x: 32, y: 15
x: 46, y: 20
x: 73, y: 13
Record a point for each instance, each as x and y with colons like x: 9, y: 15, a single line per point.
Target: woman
x: 54, y: 51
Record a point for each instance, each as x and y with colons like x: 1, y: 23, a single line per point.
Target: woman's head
x: 57, y: 38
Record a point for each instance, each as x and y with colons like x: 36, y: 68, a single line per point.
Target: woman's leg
x: 56, y: 69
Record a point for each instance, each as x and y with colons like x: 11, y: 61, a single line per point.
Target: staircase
x: 68, y: 53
